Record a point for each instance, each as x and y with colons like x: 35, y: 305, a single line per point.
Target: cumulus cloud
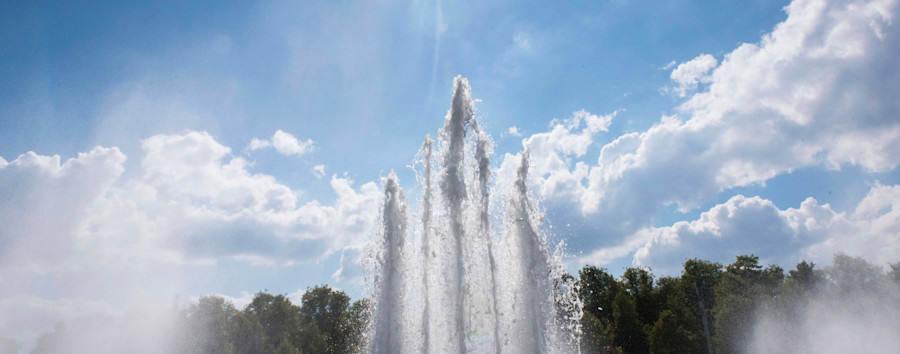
x: 44, y: 199
x: 687, y: 75
x: 284, y: 143
x: 744, y: 225
x: 89, y: 226
x: 816, y: 91
x: 198, y: 202
x: 190, y: 200
x: 513, y: 131
x: 552, y: 153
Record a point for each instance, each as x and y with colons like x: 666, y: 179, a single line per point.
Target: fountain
x: 475, y: 274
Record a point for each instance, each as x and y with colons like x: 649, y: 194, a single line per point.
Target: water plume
x: 481, y: 278
x: 388, y: 309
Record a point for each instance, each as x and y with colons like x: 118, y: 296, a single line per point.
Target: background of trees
x: 325, y: 322
x: 640, y: 314
x: 709, y: 306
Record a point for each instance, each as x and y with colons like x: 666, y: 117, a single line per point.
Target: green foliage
x: 669, y: 336
x: 324, y: 322
x: 324, y: 311
x: 628, y: 333
x: 639, y: 284
x: 208, y: 325
x: 593, y: 338
x: 742, y: 288
x: 638, y: 314
x: 279, y: 318
x: 597, y: 289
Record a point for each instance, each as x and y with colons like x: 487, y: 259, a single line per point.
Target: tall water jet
x: 453, y: 189
x: 426, y: 253
x: 534, y: 264
x: 477, y: 281
x: 484, y: 148
x: 389, y: 285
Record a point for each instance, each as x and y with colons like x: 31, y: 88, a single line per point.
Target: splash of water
x: 460, y: 282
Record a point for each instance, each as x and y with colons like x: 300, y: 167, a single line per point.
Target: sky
x: 160, y: 150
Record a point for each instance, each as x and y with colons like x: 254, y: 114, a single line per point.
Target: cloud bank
x: 98, y: 231
x: 818, y: 90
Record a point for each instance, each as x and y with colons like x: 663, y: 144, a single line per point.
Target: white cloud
x: 287, y: 144
x: 284, y: 143
x: 318, y: 171
x: 550, y: 153
x: 44, y: 200
x: 256, y: 144
x: 817, y: 91
x: 190, y: 202
x: 743, y: 225
x: 100, y: 232
x: 513, y: 131
x: 669, y: 65
x: 687, y: 75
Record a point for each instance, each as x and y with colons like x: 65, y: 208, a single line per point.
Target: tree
x: 358, y: 321
x: 279, y: 318
x: 639, y: 283
x: 668, y: 336
x: 698, y: 280
x: 207, y: 326
x: 597, y: 290
x: 742, y: 288
x: 247, y: 335
x: 324, y: 311
x: 628, y: 333
x: 804, y: 276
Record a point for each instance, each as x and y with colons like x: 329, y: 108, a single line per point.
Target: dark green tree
x: 669, y: 336
x: 698, y: 279
x: 743, y: 287
x: 247, y: 335
x: 324, y: 313
x: 804, y: 276
x: 679, y: 298
x: 597, y: 290
x: 639, y: 284
x: 279, y: 318
x: 628, y: 333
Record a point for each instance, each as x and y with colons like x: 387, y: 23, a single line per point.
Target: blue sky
x: 156, y: 148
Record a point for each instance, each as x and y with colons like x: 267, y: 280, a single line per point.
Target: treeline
x: 734, y: 308
x: 325, y: 322
x: 740, y: 307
